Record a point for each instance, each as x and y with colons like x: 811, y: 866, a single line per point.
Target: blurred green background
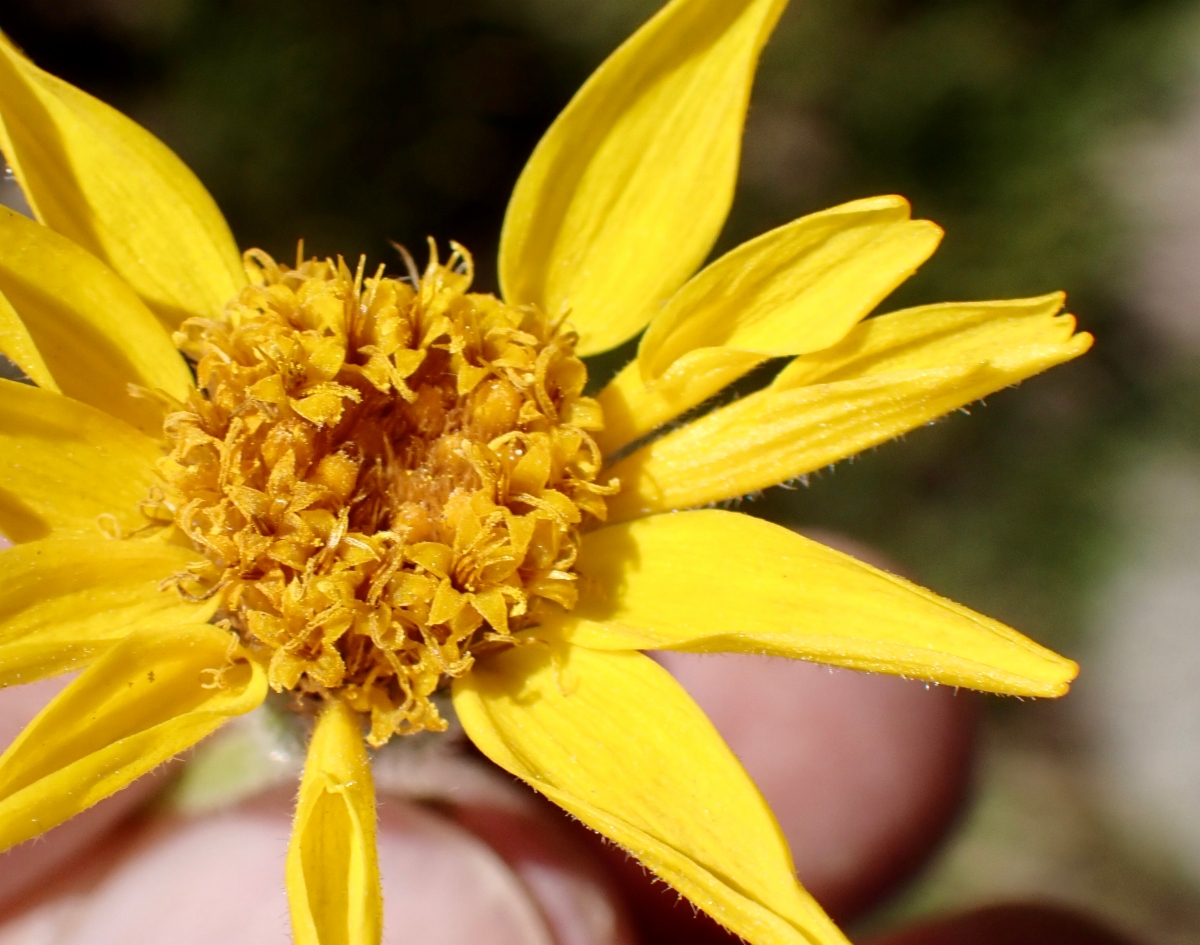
x: 1020, y: 126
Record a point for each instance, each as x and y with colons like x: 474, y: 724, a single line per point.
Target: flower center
x: 387, y: 477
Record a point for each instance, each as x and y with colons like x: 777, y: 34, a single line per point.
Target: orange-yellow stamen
x: 385, y: 479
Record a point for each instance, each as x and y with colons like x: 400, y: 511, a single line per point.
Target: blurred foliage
x: 354, y: 122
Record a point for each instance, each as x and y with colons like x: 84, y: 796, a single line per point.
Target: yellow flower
x: 384, y: 489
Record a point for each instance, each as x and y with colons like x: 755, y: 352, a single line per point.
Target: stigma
x: 387, y: 477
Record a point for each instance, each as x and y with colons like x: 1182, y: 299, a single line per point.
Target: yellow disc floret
x: 385, y: 476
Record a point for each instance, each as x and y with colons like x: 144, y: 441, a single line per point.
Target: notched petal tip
x: 1084, y: 340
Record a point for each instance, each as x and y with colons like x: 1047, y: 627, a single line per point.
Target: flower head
x: 386, y: 480
x: 378, y: 489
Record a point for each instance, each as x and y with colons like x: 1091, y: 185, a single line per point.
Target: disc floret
x: 386, y: 476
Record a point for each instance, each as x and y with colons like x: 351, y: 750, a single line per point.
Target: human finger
x: 1009, y: 924
x: 577, y: 897
x: 218, y: 880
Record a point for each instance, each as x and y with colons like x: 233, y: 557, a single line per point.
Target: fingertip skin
x: 1009, y: 924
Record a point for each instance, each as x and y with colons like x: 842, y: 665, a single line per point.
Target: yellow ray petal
x: 797, y: 289
x: 17, y: 345
x: 109, y: 185
x: 626, y: 192
x: 773, y: 436
x: 65, y: 602
x: 632, y: 408
x: 332, y: 871
x: 786, y: 430
x: 96, y: 336
x: 935, y: 335
x: 68, y: 470
x: 711, y: 580
x: 154, y: 694
x: 614, y: 740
